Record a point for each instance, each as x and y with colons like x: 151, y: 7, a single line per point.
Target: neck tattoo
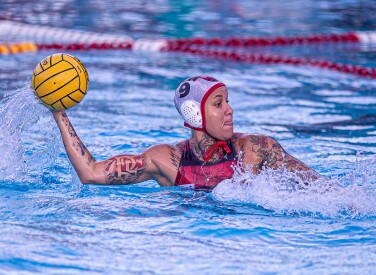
x: 199, y: 147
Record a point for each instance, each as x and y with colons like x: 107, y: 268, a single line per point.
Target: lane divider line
x: 94, y: 41
x: 52, y: 34
x: 275, y: 59
x: 254, y: 58
x: 16, y: 48
x: 357, y: 37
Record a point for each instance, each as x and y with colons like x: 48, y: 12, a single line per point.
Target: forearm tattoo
x: 67, y: 123
x: 124, y: 169
x: 76, y: 142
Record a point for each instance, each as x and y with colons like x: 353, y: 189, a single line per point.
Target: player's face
x: 218, y: 115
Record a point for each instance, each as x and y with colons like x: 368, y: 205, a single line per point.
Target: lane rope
x: 198, y: 46
x: 10, y: 28
x: 14, y: 48
x: 359, y: 37
x: 15, y: 29
x: 257, y: 58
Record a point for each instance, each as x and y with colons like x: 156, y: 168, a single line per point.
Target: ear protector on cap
x: 190, y: 111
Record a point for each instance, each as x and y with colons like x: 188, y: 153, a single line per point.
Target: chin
x: 224, y: 133
x: 227, y: 134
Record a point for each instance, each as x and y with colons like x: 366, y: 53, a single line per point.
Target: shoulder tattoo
x: 271, y: 155
x: 175, y: 155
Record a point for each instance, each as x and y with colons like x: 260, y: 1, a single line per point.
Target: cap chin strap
x: 220, y: 145
x: 194, y: 128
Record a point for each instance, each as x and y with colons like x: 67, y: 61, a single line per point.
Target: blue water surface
x: 50, y: 223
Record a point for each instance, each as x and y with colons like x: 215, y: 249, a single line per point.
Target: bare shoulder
x: 165, y: 153
x: 249, y: 140
x: 160, y: 151
x: 248, y: 136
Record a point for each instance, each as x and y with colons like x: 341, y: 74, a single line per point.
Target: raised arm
x: 122, y: 169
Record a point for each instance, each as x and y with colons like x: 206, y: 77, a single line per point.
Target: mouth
x: 229, y: 123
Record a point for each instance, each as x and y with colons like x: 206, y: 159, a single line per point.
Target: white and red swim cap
x: 190, y: 99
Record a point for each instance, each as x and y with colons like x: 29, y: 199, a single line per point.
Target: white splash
x: 284, y: 192
x: 27, y: 141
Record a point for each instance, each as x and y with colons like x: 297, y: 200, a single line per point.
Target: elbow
x: 84, y: 179
x: 85, y: 182
x: 90, y: 175
x: 88, y: 179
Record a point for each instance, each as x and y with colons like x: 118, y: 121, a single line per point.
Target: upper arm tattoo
x: 273, y: 155
x: 269, y: 155
x: 124, y: 169
x: 283, y: 158
x: 239, y: 148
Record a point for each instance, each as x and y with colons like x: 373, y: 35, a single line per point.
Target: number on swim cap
x: 184, y: 89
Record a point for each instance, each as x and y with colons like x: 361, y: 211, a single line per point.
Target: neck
x: 201, y: 142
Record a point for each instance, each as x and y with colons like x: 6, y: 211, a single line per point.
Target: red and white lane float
x: 10, y: 29
x: 74, y: 40
x: 358, y: 37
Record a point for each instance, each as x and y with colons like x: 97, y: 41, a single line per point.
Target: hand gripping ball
x: 60, y: 81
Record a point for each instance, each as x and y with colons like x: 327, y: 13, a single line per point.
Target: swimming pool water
x: 50, y: 223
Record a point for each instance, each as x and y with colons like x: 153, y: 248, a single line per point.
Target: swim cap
x: 190, y: 99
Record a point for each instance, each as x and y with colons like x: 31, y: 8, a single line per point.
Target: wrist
x: 58, y: 114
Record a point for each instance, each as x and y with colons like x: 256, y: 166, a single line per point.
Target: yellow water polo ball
x: 60, y: 81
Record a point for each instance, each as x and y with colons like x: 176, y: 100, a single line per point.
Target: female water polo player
x: 202, y: 161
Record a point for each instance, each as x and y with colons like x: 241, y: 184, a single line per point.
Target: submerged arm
x: 122, y: 169
x: 272, y: 155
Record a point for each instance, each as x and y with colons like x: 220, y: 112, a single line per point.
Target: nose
x: 229, y: 110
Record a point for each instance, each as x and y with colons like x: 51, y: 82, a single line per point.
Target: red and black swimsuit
x: 197, y: 174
